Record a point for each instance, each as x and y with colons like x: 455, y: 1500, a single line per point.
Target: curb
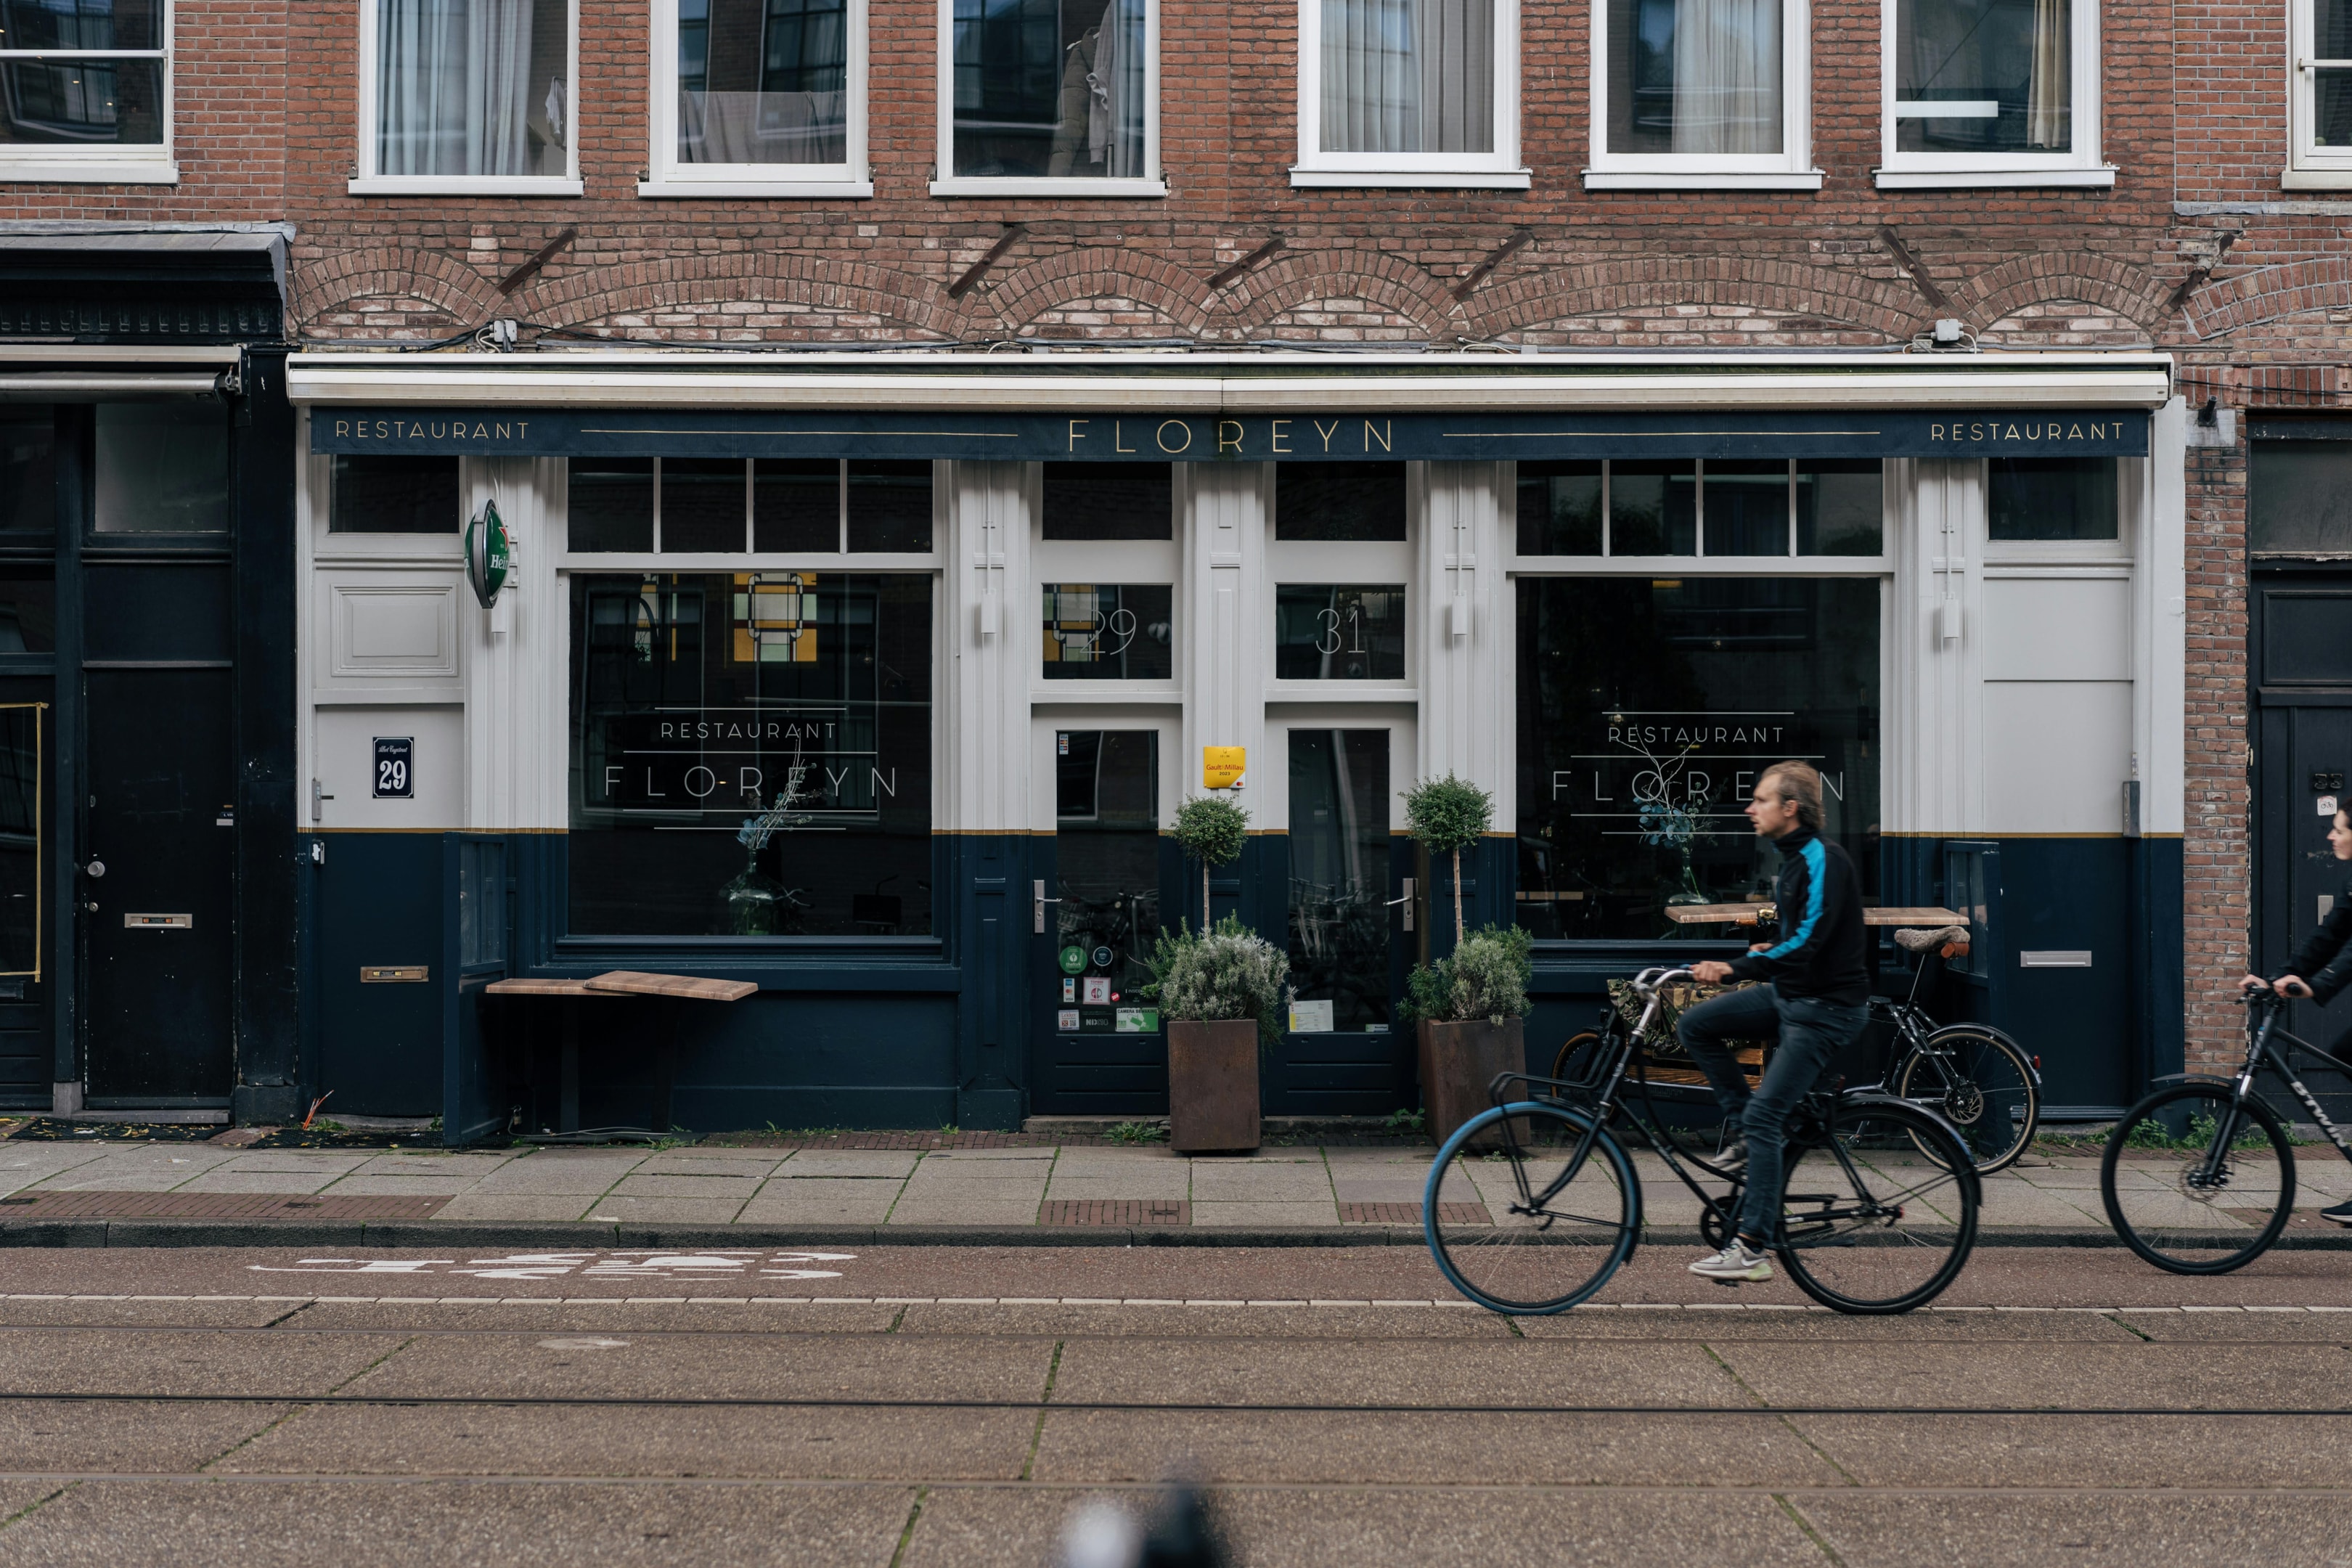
x: 584, y: 1235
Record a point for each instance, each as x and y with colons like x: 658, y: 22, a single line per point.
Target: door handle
x: 1038, y: 918
x: 1406, y: 900
x: 95, y: 868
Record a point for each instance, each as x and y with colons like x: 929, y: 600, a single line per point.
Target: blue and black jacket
x: 1822, y: 953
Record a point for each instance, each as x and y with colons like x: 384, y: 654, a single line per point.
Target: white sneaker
x: 1734, y: 1265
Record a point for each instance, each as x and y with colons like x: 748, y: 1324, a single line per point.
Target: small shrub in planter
x: 1212, y: 830
x: 1446, y: 816
x: 1224, y: 995
x: 1472, y: 1007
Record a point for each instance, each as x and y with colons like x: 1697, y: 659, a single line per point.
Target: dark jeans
x: 1812, y: 1032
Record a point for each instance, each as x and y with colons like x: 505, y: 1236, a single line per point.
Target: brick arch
x: 2113, y: 286
x: 1101, y: 273
x: 1253, y: 304
x: 1534, y: 299
x: 2267, y: 293
x: 434, y: 278
x: 586, y: 294
x: 2063, y: 322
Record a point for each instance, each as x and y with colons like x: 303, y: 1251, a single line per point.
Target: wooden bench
x: 620, y: 983
x: 1746, y: 914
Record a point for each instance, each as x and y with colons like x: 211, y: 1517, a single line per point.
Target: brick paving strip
x: 1115, y: 1211
x: 83, y: 1204
x: 1410, y: 1214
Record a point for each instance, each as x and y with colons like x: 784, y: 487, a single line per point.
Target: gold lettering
x: 1277, y: 435
x: 1327, y: 435
x: 481, y: 431
x: 2073, y: 432
x: 441, y: 432
x: 1236, y: 443
x: 2012, y: 432
x: 2098, y: 432
x: 1976, y: 432
x: 522, y: 429
x: 1387, y: 427
x: 1076, y: 434
x: 1117, y: 435
x: 1935, y: 432
x: 1165, y: 425
x: 505, y: 434
x: 342, y: 427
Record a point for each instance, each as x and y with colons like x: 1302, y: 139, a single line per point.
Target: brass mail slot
x: 159, y: 922
x: 393, y: 973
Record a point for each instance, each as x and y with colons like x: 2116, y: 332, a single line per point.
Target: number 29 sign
x: 395, y: 767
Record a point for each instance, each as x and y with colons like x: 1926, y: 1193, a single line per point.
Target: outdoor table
x: 1927, y: 915
x: 671, y: 988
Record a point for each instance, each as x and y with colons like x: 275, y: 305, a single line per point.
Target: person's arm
x: 1805, y: 919
x: 2325, y: 950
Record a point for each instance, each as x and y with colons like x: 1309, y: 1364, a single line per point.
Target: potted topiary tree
x: 1446, y: 816
x: 1223, y: 994
x: 1472, y: 1007
x: 1211, y: 829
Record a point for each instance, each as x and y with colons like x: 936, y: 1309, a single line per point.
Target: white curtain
x: 453, y: 87
x: 2047, y: 121
x: 1408, y: 76
x: 762, y: 127
x: 1726, y: 75
x: 1115, y: 98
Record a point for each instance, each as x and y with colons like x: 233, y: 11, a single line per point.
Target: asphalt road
x: 926, y: 1405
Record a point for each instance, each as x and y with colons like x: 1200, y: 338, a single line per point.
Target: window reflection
x: 1338, y: 843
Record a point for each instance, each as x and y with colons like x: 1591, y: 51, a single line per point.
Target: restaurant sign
x: 1194, y: 438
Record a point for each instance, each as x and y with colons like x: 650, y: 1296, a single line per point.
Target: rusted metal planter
x: 1211, y: 1086
x: 1458, y: 1061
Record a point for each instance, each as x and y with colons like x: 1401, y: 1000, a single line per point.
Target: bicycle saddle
x: 1915, y: 941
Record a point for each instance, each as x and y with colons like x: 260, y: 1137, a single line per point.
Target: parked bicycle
x: 1879, y: 1212
x: 1977, y: 1079
x: 2198, y: 1178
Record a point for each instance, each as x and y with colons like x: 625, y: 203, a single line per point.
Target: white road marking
x: 1047, y: 1301
x: 623, y: 1265
x: 581, y: 1344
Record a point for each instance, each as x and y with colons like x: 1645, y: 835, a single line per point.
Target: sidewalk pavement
x: 190, y: 1193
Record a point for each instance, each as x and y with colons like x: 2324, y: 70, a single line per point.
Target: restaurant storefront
x: 877, y: 681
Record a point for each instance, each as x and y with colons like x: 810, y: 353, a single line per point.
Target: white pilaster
x: 989, y: 623
x: 517, y: 657
x: 1229, y: 657
x: 2160, y: 630
x: 1463, y: 647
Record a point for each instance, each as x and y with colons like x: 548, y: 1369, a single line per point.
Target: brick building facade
x: 2168, y: 231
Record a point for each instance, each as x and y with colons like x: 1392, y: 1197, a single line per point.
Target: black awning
x: 142, y: 286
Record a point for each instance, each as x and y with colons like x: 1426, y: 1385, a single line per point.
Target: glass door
x: 1342, y: 1055
x: 1104, y: 1053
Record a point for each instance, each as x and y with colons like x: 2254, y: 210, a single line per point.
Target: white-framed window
x: 758, y: 98
x: 1049, y: 97
x: 1409, y: 92
x: 1697, y: 94
x: 1992, y: 92
x: 462, y: 97
x: 2319, y: 95
x: 86, y: 91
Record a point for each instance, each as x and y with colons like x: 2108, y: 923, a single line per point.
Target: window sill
x: 2316, y: 180
x: 2100, y: 178
x: 56, y: 170
x: 1701, y: 180
x: 804, y: 190
x: 1408, y: 179
x: 465, y: 186
x: 1074, y: 189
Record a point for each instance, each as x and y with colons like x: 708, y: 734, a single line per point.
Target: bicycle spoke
x: 1871, y: 1223
x: 1546, y: 1232
x: 2195, y: 1183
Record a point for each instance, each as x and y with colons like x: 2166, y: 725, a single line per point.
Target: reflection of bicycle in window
x: 1976, y: 1079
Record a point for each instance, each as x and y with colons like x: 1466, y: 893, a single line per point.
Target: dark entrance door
x: 156, y: 940
x: 1343, y: 1055
x: 2301, y: 629
x: 1098, y: 904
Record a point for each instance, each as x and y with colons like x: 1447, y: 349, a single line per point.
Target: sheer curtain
x: 1726, y: 75
x: 454, y: 79
x: 2047, y: 121
x: 1408, y: 76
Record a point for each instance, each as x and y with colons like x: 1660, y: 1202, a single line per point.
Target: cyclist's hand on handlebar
x: 1710, y: 973
x: 2252, y: 984
x: 2293, y: 985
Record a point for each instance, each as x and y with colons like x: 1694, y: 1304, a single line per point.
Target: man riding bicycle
x: 1816, y: 1002
x: 2326, y: 957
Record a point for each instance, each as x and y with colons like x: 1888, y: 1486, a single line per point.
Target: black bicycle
x: 1878, y: 1213
x: 1977, y: 1079
x: 2198, y: 1178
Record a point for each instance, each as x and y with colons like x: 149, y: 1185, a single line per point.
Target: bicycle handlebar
x: 1649, y: 980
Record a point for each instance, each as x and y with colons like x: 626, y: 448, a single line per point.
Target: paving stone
x: 520, y: 1207
x: 669, y: 1210
x: 1271, y: 1214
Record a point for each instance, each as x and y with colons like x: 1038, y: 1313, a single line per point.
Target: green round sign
x: 1074, y: 960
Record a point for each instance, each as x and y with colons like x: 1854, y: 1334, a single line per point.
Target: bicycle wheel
x: 1980, y: 1082
x: 1880, y: 1218
x: 1508, y: 1242
x: 2168, y: 1207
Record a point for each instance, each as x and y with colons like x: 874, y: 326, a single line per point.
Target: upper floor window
x: 459, y: 96
x: 86, y: 91
x: 758, y: 98
x: 2320, y: 96
x: 1057, y: 96
x: 1409, y: 92
x: 1701, y: 92
x: 1994, y: 93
